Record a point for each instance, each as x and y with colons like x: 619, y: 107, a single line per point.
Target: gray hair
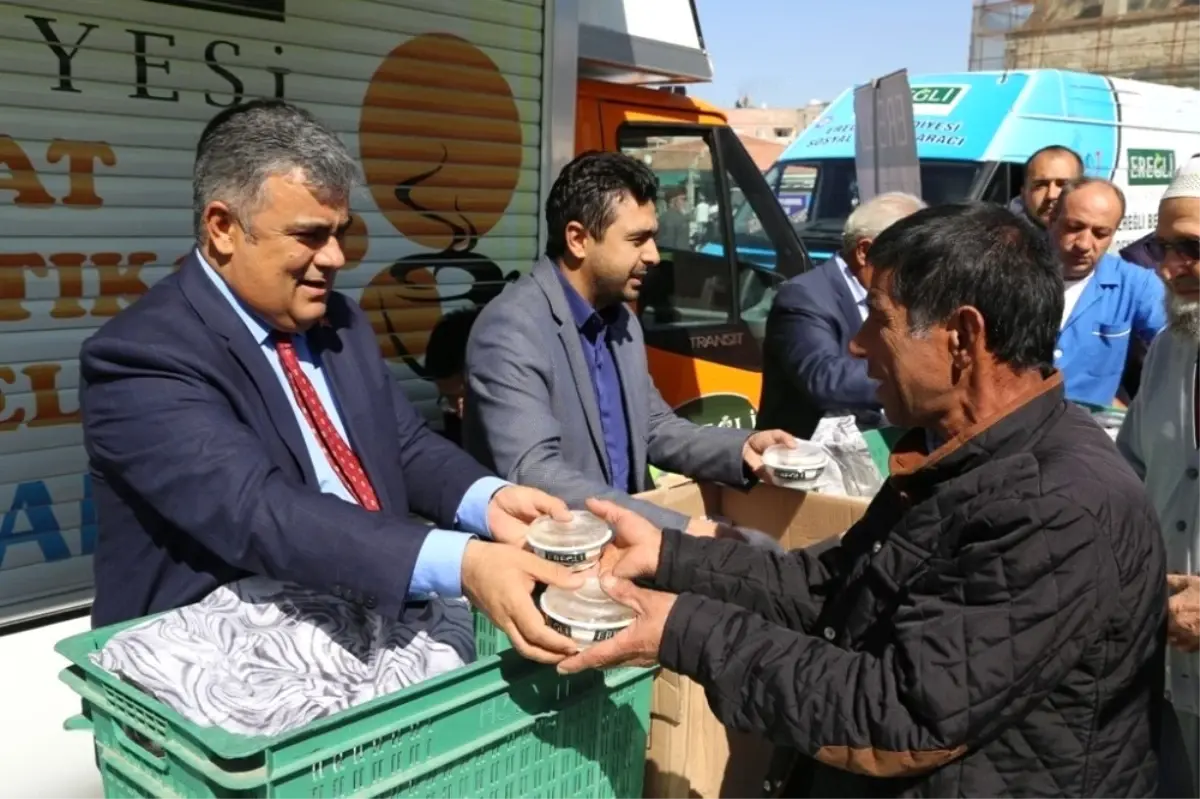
x: 244, y: 145
x: 1183, y: 316
x: 876, y: 215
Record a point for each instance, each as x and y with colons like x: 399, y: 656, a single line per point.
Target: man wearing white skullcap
x: 1161, y: 439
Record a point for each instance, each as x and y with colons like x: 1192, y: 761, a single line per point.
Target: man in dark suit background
x: 445, y: 365
x: 808, y: 371
x: 674, y: 227
x: 239, y: 419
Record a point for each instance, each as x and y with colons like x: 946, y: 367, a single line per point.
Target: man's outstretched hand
x: 1183, y: 611
x: 635, y: 545
x: 637, y: 644
x: 760, y: 442
x: 499, y: 580
x: 513, y: 508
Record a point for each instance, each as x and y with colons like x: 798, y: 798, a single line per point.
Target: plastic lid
x: 584, y: 531
x: 579, y: 609
x: 805, y: 455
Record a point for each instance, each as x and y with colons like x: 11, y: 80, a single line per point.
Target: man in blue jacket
x: 1108, y: 301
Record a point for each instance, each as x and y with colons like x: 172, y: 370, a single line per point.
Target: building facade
x: 1150, y: 40
x: 778, y: 125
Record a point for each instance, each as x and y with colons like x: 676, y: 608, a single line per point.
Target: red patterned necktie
x: 343, y: 460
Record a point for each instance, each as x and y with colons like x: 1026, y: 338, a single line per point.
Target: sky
x: 787, y: 52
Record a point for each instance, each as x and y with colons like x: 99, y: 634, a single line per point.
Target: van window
x: 794, y: 190
x: 834, y: 191
x: 1005, y: 184
x: 757, y: 276
x: 692, y: 284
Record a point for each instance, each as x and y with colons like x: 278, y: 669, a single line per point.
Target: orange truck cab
x: 703, y: 308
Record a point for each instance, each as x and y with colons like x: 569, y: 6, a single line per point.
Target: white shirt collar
x: 857, y: 291
x: 259, y: 329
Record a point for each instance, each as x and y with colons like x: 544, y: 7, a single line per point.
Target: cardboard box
x: 690, y: 753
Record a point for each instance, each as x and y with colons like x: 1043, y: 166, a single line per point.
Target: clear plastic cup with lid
x: 586, y: 615
x: 576, y: 543
x: 798, y: 467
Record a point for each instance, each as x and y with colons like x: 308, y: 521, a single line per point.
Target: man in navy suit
x: 808, y: 371
x: 239, y: 419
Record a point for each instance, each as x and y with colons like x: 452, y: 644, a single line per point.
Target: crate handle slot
x: 233, y: 781
x: 141, y: 746
x: 133, y: 741
x: 145, y: 782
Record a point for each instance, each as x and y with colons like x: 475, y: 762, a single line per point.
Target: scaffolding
x: 991, y: 23
x: 1151, y: 40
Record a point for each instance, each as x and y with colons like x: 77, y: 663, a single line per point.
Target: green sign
x: 935, y: 95
x: 719, y: 410
x: 1150, y: 167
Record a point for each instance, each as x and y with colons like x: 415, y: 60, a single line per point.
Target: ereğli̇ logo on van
x: 937, y: 100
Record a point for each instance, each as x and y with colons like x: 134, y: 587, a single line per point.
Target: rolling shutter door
x: 101, y: 104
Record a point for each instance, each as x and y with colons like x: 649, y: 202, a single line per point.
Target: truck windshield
x: 819, y: 195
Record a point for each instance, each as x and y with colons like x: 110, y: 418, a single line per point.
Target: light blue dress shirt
x: 438, y: 570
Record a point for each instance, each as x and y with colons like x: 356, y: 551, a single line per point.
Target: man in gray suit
x: 558, y: 392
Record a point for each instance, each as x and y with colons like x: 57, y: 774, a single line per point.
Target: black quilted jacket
x: 993, y: 626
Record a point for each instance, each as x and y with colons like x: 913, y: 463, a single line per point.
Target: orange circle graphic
x: 440, y: 141
x: 440, y: 144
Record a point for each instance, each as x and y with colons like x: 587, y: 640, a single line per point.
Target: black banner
x: 885, y: 145
x: 275, y: 10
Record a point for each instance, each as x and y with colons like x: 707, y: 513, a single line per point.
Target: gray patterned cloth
x: 261, y: 657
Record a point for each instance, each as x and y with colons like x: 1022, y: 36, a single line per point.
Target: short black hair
x: 446, y: 352
x: 1055, y: 148
x: 587, y: 190
x: 985, y: 256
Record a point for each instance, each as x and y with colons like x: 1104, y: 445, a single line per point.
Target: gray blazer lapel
x: 545, y: 275
x: 634, y: 376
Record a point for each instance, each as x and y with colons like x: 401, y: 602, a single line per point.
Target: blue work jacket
x: 1121, y: 300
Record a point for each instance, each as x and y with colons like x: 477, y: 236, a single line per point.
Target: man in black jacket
x: 993, y: 625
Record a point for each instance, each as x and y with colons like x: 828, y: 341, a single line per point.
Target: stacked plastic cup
x: 586, y: 615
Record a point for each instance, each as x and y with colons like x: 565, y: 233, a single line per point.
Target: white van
x: 975, y: 130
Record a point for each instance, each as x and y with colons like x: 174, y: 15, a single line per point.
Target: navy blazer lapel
x: 344, y: 370
x: 845, y: 300
x: 544, y: 275
x: 217, y: 313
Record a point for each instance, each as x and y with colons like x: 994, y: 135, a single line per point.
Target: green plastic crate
x: 488, y: 638
x: 501, y: 727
